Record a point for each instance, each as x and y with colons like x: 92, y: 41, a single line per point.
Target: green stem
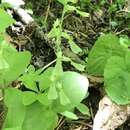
x: 58, y: 41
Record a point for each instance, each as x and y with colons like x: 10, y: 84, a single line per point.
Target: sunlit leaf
x: 39, y: 118
x: 29, y: 97
x: 79, y: 67
x: 69, y: 115
x: 106, y: 46
x: 74, y: 47
x: 116, y: 78
x: 5, y: 20
x: 76, y: 83
x: 13, y: 100
x: 83, y: 109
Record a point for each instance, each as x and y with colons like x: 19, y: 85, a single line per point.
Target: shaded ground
x: 85, y: 32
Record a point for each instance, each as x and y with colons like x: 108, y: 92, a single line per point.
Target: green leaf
x: 64, y: 2
x: 55, y: 31
x: 64, y: 100
x: 14, y: 128
x: 75, y: 48
x: 43, y: 99
x: 66, y: 59
x: 106, y: 46
x: 31, y: 69
x: 78, y: 66
x: 45, y: 79
x: 18, y: 62
x: 3, y: 63
x: 39, y: 118
x: 13, y: 100
x: 5, y: 20
x: 69, y: 8
x: 116, y: 79
x: 52, y: 93
x: 70, y: 115
x: 29, y: 80
x: 84, y: 14
x: 76, y: 83
x: 29, y: 98
x: 83, y: 109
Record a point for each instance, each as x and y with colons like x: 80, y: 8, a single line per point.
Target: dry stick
x: 47, y: 12
x: 126, y: 29
x: 82, y: 123
x: 91, y: 111
x: 46, y: 66
x: 60, y: 123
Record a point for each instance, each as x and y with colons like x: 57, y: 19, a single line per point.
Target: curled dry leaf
x: 110, y: 115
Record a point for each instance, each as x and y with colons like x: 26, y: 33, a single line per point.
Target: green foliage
x: 116, y: 78
x: 5, y: 21
x: 110, y: 58
x: 77, y: 83
x: 105, y: 47
x: 39, y: 118
x: 12, y: 63
x: 13, y: 99
x: 46, y: 94
x: 83, y: 109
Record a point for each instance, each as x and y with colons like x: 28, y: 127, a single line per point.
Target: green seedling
x: 47, y: 93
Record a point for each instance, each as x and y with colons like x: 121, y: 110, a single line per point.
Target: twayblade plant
x: 48, y: 92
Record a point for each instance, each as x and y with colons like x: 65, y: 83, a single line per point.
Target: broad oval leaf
x: 75, y: 86
x: 106, y: 46
x: 117, y: 79
x: 39, y: 118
